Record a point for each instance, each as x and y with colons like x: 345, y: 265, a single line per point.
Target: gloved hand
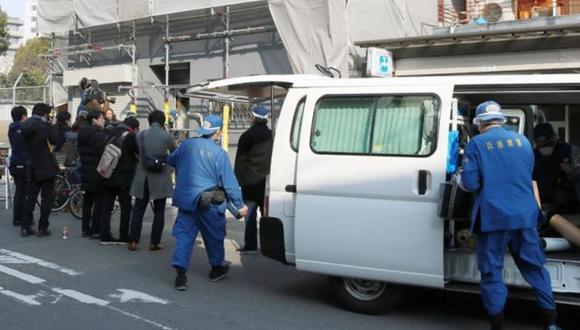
x: 548, y: 211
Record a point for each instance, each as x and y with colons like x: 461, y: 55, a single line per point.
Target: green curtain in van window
x: 342, y: 125
x: 398, y: 127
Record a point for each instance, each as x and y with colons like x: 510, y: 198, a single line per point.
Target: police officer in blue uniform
x: 205, y: 183
x: 497, y: 167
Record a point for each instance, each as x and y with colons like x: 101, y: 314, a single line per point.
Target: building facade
x: 15, y: 36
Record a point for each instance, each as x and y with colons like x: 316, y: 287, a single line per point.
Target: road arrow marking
x: 127, y: 295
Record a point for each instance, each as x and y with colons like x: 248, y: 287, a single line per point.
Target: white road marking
x: 127, y: 295
x: 39, y: 262
x: 81, y: 297
x: 11, y: 260
x: 29, y: 300
x: 20, y: 275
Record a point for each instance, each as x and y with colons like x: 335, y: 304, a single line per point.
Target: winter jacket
x: 36, y: 134
x: 58, y: 132
x: 253, y: 158
x: 91, y: 144
x: 124, y: 173
x: 158, y: 143
x: 18, y: 157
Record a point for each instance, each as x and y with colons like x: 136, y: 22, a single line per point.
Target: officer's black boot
x: 496, y: 321
x: 181, y: 279
x: 551, y: 318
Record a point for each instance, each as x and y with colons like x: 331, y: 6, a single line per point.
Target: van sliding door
x: 369, y: 169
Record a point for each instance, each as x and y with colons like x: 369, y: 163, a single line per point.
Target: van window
x: 404, y: 125
x: 342, y: 125
x: 296, y: 125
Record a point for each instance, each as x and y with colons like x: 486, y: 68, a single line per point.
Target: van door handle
x: 291, y: 188
x: 422, y: 182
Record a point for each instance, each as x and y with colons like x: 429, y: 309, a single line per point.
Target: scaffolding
x: 87, y: 48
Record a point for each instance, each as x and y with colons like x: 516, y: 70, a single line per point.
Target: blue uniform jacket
x: 201, y: 164
x: 497, y: 167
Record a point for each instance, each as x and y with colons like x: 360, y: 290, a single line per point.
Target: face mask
x: 546, y: 151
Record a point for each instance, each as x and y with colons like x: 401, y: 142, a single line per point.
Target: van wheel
x: 365, y: 296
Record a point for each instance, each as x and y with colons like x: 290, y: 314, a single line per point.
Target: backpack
x: 110, y: 158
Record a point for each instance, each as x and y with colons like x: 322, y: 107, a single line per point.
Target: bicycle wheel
x: 62, y: 191
x: 76, y: 204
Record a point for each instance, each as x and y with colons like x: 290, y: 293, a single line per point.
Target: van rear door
x: 370, y: 165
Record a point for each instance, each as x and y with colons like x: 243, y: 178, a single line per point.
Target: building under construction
x: 144, y: 50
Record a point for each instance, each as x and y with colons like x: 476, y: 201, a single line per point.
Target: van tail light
x: 267, y: 198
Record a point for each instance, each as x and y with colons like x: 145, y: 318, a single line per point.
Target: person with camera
x: 119, y: 183
x: 42, y: 169
x: 91, y: 144
x: 152, y: 179
x: 205, y: 184
x: 18, y: 160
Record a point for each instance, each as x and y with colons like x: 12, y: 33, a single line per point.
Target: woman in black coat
x: 91, y: 144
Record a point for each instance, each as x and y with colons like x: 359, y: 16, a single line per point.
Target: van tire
x: 364, y: 296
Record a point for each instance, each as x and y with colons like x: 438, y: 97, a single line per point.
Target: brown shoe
x: 155, y: 247
x: 43, y: 233
x: 132, y: 246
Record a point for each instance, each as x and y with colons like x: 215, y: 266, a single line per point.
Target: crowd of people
x: 205, y: 181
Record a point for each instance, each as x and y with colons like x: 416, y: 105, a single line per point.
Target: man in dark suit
x: 42, y: 169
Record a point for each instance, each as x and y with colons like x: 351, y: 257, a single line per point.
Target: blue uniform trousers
x: 212, y: 225
x: 524, y: 245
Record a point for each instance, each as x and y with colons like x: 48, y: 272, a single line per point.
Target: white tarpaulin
x: 92, y: 13
x: 55, y: 16
x: 131, y: 9
x: 162, y: 7
x: 380, y: 19
x: 313, y: 32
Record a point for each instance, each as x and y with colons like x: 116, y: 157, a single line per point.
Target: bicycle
x: 67, y: 192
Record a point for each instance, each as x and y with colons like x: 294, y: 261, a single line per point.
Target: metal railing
x: 458, y: 12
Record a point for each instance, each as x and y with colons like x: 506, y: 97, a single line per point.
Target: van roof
x: 243, y: 89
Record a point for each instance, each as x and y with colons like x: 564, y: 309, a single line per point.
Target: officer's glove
x: 548, y: 211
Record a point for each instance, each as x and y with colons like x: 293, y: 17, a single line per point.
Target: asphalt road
x: 51, y: 283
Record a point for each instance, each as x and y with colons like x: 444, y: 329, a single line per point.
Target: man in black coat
x: 18, y: 160
x: 119, y: 184
x: 252, y: 165
x: 42, y: 169
x: 91, y: 144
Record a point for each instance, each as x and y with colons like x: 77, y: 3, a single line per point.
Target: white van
x: 359, y: 167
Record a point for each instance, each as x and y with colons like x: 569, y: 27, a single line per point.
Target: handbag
x: 151, y: 164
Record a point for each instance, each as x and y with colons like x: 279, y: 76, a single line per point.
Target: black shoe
x: 124, y: 240
x: 86, y: 234
x: 218, y: 272
x: 27, y: 232
x: 180, y: 282
x: 108, y: 240
x: 496, y: 321
x: 43, y: 233
x: 95, y: 236
x: 246, y: 251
